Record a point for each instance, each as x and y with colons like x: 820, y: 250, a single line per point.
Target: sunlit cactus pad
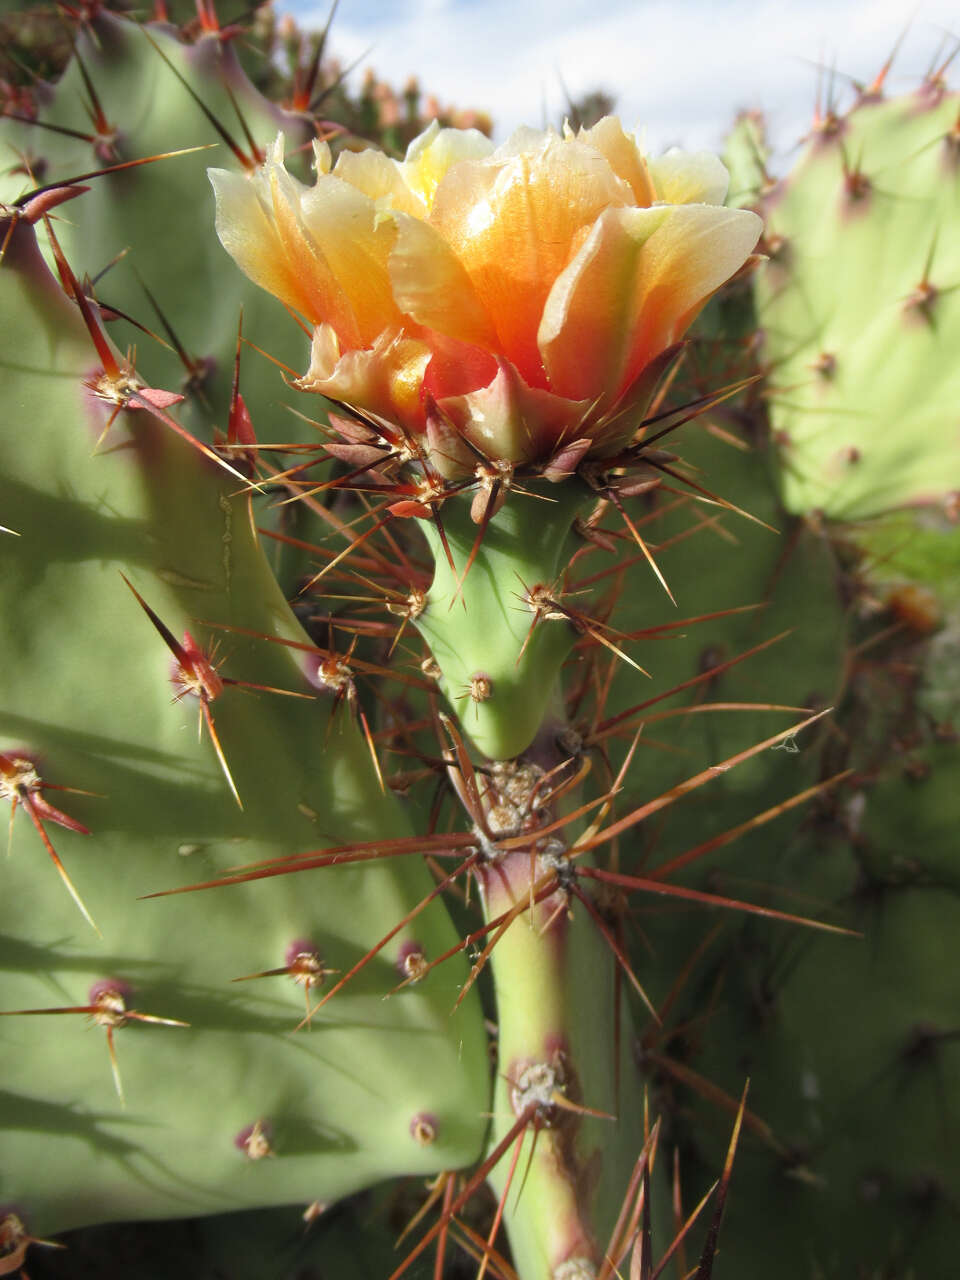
x: 859, y: 305
x: 239, y: 1107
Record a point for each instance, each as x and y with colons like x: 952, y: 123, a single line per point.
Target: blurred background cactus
x: 807, y: 527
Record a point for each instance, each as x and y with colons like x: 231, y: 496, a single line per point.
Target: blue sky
x: 680, y: 68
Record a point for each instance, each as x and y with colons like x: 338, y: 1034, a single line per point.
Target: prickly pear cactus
x: 483, y: 685
x: 148, y: 94
x: 857, y: 303
x: 132, y: 567
x: 843, y: 1168
x: 168, y: 1086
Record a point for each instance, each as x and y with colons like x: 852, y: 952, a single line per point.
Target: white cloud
x: 682, y: 68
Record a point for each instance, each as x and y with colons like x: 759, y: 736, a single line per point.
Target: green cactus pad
x: 160, y: 215
x: 89, y: 699
x: 860, y: 308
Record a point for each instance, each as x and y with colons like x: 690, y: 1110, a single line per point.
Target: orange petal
x: 431, y: 285
x: 514, y: 219
x: 510, y: 420
x: 322, y: 250
x: 624, y: 157
x: 384, y: 379
x: 681, y: 177
x: 457, y: 367
x: 633, y: 287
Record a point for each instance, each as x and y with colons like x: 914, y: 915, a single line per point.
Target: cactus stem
x: 118, y: 383
x: 726, y: 837
x: 54, y: 128
x: 874, y: 91
x: 621, y: 721
x: 501, y: 1203
x: 194, y: 674
x: 105, y: 138
x: 612, y: 496
x: 707, y: 495
x: 615, y: 947
x: 691, y: 784
x: 329, y: 657
x: 378, y: 562
x: 412, y: 963
x: 423, y: 1129
x: 366, y: 851
x: 420, y: 969
x: 705, y: 1269
x: 546, y: 889
x: 28, y: 201
x: 644, y: 884
x: 628, y: 1218
x: 352, y: 545
x: 856, y: 185
x: 543, y: 603
x: 197, y: 370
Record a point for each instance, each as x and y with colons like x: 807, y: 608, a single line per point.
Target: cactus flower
x: 522, y: 296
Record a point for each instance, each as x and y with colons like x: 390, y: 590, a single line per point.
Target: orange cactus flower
x: 521, y: 296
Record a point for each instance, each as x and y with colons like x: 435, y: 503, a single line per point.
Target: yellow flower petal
x: 431, y: 285
x: 632, y: 289
x: 681, y: 177
x: 513, y: 221
x: 525, y: 297
x: 624, y: 157
x: 379, y: 178
x: 385, y: 379
x: 431, y: 154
